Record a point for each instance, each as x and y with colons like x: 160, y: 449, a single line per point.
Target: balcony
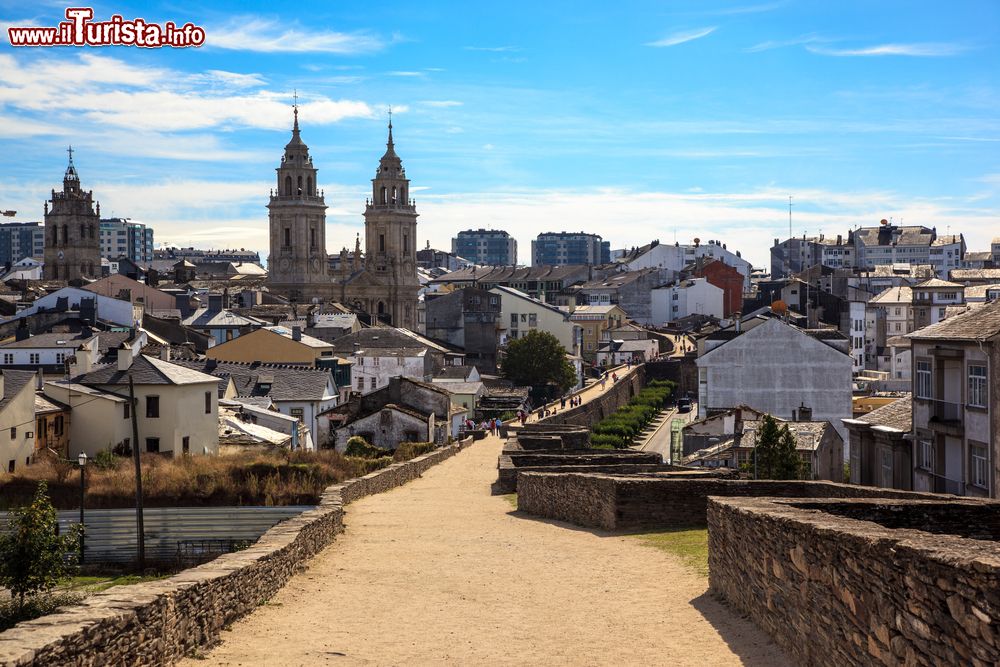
x: 946, y: 415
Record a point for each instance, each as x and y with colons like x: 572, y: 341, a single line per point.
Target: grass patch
x: 96, y: 583
x: 690, y: 545
x: 511, y: 498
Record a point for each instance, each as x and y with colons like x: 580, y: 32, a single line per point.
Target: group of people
x: 573, y: 402
x: 604, y: 379
x: 492, y: 425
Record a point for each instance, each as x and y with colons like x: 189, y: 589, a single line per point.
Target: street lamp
x: 82, y: 460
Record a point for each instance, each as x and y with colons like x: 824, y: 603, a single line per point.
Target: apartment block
x: 486, y: 247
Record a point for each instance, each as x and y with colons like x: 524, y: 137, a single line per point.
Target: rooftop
x: 145, y: 370
x: 977, y: 324
x: 896, y: 416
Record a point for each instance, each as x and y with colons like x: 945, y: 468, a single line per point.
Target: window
x: 373, y: 383
x: 926, y: 455
x: 898, y: 311
x: 186, y: 445
x: 381, y: 242
x: 288, y: 237
x: 886, y: 468
x: 153, y: 445
x: 924, y: 380
x: 979, y: 470
x: 10, y: 466
x: 8, y: 358
x: 60, y: 357
x: 208, y: 402
x: 13, y: 432
x: 513, y: 320
x: 977, y: 386
x: 128, y: 410
x: 152, y: 407
x: 59, y: 425
x: 297, y: 413
x: 941, y: 312
x: 897, y: 326
x: 33, y: 358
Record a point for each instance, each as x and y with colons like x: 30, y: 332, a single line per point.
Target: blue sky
x: 636, y: 120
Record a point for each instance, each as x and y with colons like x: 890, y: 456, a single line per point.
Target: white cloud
x: 441, y: 104
x: 406, y: 73
x: 926, y: 49
x: 780, y: 44
x: 682, y: 37
x: 272, y: 36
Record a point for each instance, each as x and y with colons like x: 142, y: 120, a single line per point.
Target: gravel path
x: 441, y: 572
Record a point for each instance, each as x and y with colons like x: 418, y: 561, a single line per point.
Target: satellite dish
x: 697, y: 240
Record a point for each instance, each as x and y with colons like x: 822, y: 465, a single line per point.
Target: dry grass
x: 690, y: 545
x: 280, y: 478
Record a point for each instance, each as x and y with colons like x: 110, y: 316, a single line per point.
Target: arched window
x: 381, y: 308
x: 288, y: 185
x: 402, y: 195
x: 312, y: 237
x: 381, y: 242
x: 394, y: 194
x: 83, y: 268
x: 288, y: 237
x: 91, y: 231
x: 309, y: 186
x: 65, y: 233
x: 383, y: 194
x: 299, y: 185
x: 83, y: 231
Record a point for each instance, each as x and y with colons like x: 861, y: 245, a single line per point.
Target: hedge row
x: 618, y: 430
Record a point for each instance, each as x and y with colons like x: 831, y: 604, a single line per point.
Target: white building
x: 686, y: 297
x: 17, y: 416
x: 520, y: 314
x: 675, y: 257
x: 777, y: 368
x: 115, y: 311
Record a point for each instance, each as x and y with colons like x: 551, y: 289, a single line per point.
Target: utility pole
x: 140, y: 531
x: 789, y: 216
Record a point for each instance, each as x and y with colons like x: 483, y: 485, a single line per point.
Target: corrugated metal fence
x: 186, y: 534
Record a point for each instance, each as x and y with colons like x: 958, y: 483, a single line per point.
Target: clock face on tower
x: 285, y: 264
x: 315, y: 264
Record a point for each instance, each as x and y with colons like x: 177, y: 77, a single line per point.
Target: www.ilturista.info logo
x: 80, y: 30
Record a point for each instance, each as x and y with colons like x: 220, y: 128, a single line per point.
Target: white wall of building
x: 695, y: 296
x: 676, y: 257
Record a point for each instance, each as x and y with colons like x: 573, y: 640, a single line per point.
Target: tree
x: 33, y: 556
x: 536, y: 360
x: 774, y: 456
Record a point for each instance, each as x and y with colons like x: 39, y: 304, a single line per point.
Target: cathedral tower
x: 297, y: 262
x: 72, y: 231
x: 391, y: 241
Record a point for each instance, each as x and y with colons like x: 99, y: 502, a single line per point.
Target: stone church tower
x: 297, y: 262
x: 391, y: 244
x: 72, y: 231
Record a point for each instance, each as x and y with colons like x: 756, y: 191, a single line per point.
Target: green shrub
x: 106, y: 460
x: 601, y: 441
x: 364, y: 465
x: 358, y: 447
x: 410, y: 450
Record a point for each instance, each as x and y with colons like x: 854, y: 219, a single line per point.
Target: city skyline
x: 639, y: 125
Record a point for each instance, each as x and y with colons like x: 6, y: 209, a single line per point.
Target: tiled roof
x: 144, y: 370
x: 937, y: 282
x: 13, y: 383
x: 44, y: 404
x: 896, y: 415
x: 287, y: 383
x: 106, y: 340
x: 807, y: 434
x: 901, y: 294
x: 979, y: 291
x: 977, y: 324
x: 975, y: 274
x: 870, y: 236
x: 384, y: 338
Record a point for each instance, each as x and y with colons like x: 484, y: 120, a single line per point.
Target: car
x: 684, y: 405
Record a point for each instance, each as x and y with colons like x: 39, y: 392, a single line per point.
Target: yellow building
x: 595, y: 320
x: 278, y: 345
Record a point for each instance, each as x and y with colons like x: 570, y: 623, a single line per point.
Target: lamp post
x: 82, y: 460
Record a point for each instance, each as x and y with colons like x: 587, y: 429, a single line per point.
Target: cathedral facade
x: 384, y: 285
x: 72, y: 231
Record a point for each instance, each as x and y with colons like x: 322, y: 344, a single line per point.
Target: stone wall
x: 659, y: 501
x: 627, y: 461
x: 832, y: 590
x: 615, y: 396
x: 159, y: 622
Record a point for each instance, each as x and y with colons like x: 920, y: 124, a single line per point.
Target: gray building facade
x: 21, y: 239
x: 487, y: 247
x: 467, y: 318
x: 559, y: 248
x: 121, y: 237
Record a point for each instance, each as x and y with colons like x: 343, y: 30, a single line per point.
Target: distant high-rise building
x: 72, y: 247
x: 489, y: 247
x: 560, y: 248
x: 21, y: 239
x: 121, y: 237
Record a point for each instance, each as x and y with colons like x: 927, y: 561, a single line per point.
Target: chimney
x: 22, y: 332
x: 124, y: 357
x: 840, y: 240
x: 39, y: 381
x: 739, y: 321
x: 297, y: 333
x: 165, y: 353
x: 804, y: 414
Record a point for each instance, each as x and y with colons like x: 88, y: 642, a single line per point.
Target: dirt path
x: 441, y: 572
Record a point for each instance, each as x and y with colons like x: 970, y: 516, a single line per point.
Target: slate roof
x: 808, y: 435
x: 203, y: 318
x: 454, y: 373
x: 901, y: 294
x: 287, y: 383
x: 308, y: 341
x: 979, y: 291
x: 461, y: 387
x: 975, y: 274
x: 907, y: 236
x: 495, y: 274
x: 144, y: 370
x: 897, y: 415
x: 13, y: 383
x: 46, y: 405
x: 384, y: 337
x: 977, y: 324
x: 618, y: 280
x: 107, y: 340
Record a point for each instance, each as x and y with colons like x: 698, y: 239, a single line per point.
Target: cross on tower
x: 70, y: 151
x: 390, y: 116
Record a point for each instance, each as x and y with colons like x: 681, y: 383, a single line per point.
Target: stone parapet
x: 157, y: 623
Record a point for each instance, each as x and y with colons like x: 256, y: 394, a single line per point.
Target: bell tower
x: 391, y: 239
x: 297, y: 262
x: 72, y: 231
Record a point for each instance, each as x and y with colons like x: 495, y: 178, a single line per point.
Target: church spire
x: 296, y: 139
x: 388, y: 143
x: 71, y: 174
